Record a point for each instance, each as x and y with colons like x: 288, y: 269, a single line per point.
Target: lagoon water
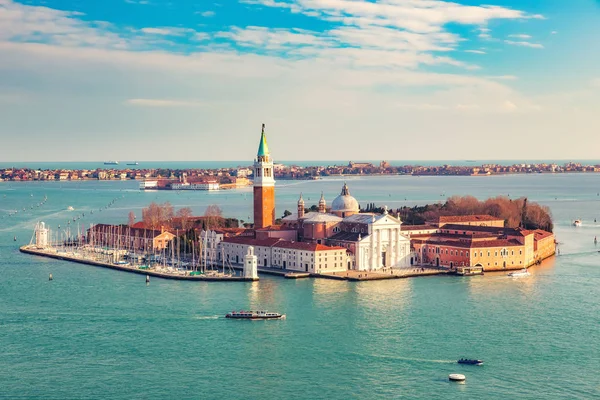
x: 96, y: 333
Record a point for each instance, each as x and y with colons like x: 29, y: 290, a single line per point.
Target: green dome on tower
x: 263, y: 149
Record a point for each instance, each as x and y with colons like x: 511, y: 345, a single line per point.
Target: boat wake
x: 423, y: 360
x: 207, y: 317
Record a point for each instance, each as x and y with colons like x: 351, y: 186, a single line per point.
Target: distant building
x: 359, y: 165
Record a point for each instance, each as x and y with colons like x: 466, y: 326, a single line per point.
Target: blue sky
x: 332, y: 79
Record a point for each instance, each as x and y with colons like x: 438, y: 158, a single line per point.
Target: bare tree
x: 156, y: 215
x: 213, y: 214
x: 166, y: 213
x: 184, y: 214
x: 131, y: 218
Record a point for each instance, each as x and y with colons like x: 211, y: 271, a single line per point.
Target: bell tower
x: 264, y: 185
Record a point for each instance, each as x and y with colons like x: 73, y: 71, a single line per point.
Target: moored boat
x: 254, y: 315
x: 470, y: 361
x: 469, y: 271
x: 457, y: 377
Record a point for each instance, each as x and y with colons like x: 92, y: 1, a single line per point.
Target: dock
x: 391, y: 273
x: 78, y: 258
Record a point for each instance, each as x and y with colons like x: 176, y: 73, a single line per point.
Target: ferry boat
x: 254, y: 315
x: 469, y: 271
x: 111, y: 163
x: 518, y: 274
x: 470, y: 361
x: 577, y: 222
x: 133, y: 163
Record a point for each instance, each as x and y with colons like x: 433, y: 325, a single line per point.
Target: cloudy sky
x: 331, y: 79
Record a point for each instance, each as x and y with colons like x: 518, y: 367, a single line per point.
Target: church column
x: 393, y: 246
x: 379, y: 249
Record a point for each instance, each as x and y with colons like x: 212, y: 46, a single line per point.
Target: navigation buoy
x: 15, y: 238
x: 147, y: 279
x: 457, y: 377
x: 50, y: 277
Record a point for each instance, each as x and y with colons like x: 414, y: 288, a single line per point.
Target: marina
x: 167, y: 273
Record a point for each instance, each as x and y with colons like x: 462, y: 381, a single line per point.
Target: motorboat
x: 520, y: 273
x: 577, y: 222
x: 469, y: 361
x: 254, y: 315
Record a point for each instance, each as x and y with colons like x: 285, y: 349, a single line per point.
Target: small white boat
x: 518, y: 274
x: 577, y: 222
x: 70, y: 208
x: 457, y: 377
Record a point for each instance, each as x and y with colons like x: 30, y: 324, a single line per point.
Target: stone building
x: 491, y: 247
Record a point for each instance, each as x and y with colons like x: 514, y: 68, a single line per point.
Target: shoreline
x: 350, y: 276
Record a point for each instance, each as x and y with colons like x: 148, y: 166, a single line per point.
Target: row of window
x: 503, y: 252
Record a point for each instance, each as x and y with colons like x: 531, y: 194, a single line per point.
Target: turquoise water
x: 95, y: 333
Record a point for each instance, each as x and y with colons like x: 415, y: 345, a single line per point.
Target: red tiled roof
x: 496, y: 243
x: 275, y: 228
x: 541, y: 234
x: 468, y: 218
x: 269, y: 242
x: 230, y: 232
x: 307, y: 246
x: 418, y: 227
x: 466, y: 243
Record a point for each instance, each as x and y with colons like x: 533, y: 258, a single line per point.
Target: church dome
x: 344, y: 202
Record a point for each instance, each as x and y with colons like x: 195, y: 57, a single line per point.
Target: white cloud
x: 206, y: 14
x: 524, y: 44
x: 167, y: 31
x: 503, y: 77
x: 509, y: 106
x: 475, y: 51
x: 365, y: 71
x: 164, y: 103
x: 520, y: 36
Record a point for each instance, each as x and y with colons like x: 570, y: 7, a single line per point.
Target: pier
x: 79, y: 258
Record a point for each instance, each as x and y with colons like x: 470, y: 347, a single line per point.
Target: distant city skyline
x: 331, y: 79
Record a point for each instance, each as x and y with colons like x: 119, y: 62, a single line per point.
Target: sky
x: 331, y: 79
